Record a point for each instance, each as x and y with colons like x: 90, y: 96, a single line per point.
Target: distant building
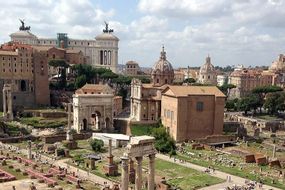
x: 246, y: 80
x: 178, y: 76
x: 93, y: 108
x: 146, y: 98
x: 100, y: 52
x: 132, y: 68
x: 278, y: 65
x: 207, y: 73
x: 191, y: 112
x: 222, y: 79
x: 25, y: 69
x: 117, y: 105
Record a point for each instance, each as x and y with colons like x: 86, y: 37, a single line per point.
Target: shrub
x: 97, y: 145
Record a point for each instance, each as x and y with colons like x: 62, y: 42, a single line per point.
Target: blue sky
x: 248, y: 32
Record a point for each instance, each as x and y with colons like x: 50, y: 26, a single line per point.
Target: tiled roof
x: 179, y: 91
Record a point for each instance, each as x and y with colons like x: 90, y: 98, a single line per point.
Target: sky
x: 232, y: 32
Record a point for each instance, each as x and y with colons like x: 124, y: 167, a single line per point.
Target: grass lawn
x: 12, y: 171
x: 266, y: 117
x: 39, y: 122
x: 141, y: 129
x: 246, y: 172
x: 183, y: 177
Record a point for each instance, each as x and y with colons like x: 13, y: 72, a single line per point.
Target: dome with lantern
x: 162, y: 71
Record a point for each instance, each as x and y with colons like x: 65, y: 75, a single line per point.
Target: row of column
x: 138, y: 181
x: 7, y: 102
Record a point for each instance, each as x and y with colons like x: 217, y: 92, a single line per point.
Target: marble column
x: 4, y: 103
x: 9, y: 98
x: 69, y: 136
x: 29, y: 149
x: 138, y: 185
x: 274, y: 151
x: 97, y: 122
x: 151, y: 181
x: 125, y: 173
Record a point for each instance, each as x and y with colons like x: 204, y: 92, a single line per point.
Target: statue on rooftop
x: 107, y: 30
x: 23, y: 27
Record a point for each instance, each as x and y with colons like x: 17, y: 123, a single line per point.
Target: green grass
x: 183, y: 177
x: 1, y: 114
x: 18, y: 175
x: 266, y: 117
x: 39, y: 122
x: 245, y: 173
x: 141, y: 129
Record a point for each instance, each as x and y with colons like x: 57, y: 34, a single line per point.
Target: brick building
x: 132, y: 68
x: 26, y: 70
x: 191, y: 112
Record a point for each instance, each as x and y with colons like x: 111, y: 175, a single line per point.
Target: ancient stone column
x: 69, y: 136
x: 138, y: 185
x: 274, y: 151
x: 110, y: 148
x: 151, y: 182
x: 97, y: 122
x: 125, y: 173
x: 29, y: 149
x: 9, y: 99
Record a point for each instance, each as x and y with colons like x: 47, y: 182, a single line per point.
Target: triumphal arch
x: 139, y: 147
x: 93, y: 108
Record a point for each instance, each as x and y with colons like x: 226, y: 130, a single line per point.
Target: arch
x: 95, y: 119
x: 84, y: 124
x: 23, y: 85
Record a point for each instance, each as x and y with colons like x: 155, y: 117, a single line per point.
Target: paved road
x: 234, y: 179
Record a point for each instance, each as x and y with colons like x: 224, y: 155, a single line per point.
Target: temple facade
x: 146, y: 98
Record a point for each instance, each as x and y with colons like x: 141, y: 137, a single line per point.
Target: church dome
x: 107, y: 36
x: 162, y: 65
x: 162, y: 71
x: 207, y: 67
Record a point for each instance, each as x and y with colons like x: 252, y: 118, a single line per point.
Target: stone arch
x: 95, y: 119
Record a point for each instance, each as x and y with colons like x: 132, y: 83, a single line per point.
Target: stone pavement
x: 234, y: 179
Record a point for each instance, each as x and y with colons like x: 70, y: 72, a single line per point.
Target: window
x: 209, y: 77
x: 199, y: 106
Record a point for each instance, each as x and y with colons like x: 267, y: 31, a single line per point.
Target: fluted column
x: 125, y: 173
x: 151, y: 182
x: 138, y: 185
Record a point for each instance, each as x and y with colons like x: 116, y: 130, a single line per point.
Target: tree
x: 61, y: 65
x: 80, y: 81
x: 189, y: 80
x: 244, y: 105
x: 163, y: 142
x: 275, y: 102
x: 97, y: 145
x: 262, y: 91
x: 225, y: 88
x: 231, y: 104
